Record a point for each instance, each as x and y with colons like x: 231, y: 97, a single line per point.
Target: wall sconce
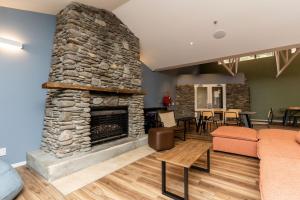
x: 11, y: 44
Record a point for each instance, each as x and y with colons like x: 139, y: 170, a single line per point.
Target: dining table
x: 246, y: 119
x: 290, y: 112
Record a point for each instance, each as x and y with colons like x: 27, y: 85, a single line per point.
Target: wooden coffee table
x: 184, y: 155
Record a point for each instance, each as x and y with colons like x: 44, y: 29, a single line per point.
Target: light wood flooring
x: 232, y: 177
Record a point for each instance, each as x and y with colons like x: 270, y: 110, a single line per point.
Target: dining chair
x: 237, y: 111
x: 207, y: 120
x: 270, y: 117
x: 231, y: 118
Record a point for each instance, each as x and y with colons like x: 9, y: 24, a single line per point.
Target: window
x: 210, y: 96
x: 264, y: 55
x: 253, y: 57
x: 245, y: 58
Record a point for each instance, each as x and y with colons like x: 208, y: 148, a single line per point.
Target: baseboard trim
x: 19, y: 164
x: 264, y: 120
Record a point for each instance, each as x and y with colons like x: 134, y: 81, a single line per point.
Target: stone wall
x: 238, y: 96
x: 92, y: 47
x: 185, y: 101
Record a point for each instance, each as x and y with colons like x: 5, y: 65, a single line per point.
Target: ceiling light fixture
x: 191, y: 43
x: 219, y: 33
x: 10, y: 44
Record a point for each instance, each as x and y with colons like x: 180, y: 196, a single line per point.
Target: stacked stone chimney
x: 94, y: 48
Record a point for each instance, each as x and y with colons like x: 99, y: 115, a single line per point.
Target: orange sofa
x: 279, y: 155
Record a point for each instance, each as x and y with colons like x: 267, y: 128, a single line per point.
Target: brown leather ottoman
x: 161, y: 138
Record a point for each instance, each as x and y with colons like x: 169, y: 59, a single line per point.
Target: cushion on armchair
x: 10, y: 182
x: 168, y: 119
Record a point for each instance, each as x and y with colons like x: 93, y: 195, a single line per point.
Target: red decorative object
x: 167, y: 101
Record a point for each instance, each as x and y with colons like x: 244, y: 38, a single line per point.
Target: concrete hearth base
x: 52, y: 168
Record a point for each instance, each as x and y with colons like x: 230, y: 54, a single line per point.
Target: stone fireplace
x: 92, y: 48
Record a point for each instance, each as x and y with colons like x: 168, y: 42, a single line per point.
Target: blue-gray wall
x: 21, y: 74
x: 156, y: 84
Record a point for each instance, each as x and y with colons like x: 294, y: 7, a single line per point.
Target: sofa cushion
x: 10, y: 182
x: 273, y: 134
x: 277, y: 148
x: 278, y: 143
x: 236, y: 132
x: 280, y: 179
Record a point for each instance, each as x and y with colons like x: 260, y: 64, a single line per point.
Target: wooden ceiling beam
x: 232, y: 66
x: 287, y: 60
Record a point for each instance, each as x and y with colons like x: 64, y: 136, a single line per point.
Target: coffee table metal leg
x: 163, y: 176
x: 208, y: 164
x: 164, y: 188
x: 208, y: 160
x: 184, y: 130
x: 186, y: 183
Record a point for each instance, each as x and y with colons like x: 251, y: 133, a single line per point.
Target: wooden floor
x: 232, y: 177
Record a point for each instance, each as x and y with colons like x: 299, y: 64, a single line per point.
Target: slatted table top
x: 294, y: 108
x: 186, y: 153
x: 247, y: 113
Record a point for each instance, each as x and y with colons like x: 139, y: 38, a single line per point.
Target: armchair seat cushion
x: 161, y: 138
x: 10, y: 182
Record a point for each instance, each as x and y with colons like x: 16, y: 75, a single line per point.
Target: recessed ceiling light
x: 218, y: 34
x: 191, y: 43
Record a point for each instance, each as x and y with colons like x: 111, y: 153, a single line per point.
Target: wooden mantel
x: 69, y: 86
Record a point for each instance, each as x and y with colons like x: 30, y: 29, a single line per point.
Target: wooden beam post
x: 227, y: 67
x: 277, y: 57
x: 287, y: 60
x: 237, y: 65
x: 232, y: 66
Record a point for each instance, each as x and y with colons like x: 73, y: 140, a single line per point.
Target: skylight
x: 252, y: 57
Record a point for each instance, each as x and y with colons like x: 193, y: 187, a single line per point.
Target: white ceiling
x: 54, y: 6
x: 166, y: 27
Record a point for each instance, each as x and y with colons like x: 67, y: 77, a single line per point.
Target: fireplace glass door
x: 108, y: 123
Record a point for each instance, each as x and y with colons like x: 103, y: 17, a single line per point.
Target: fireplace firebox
x: 108, y: 123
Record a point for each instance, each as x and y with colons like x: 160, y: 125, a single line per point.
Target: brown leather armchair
x: 168, y: 121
